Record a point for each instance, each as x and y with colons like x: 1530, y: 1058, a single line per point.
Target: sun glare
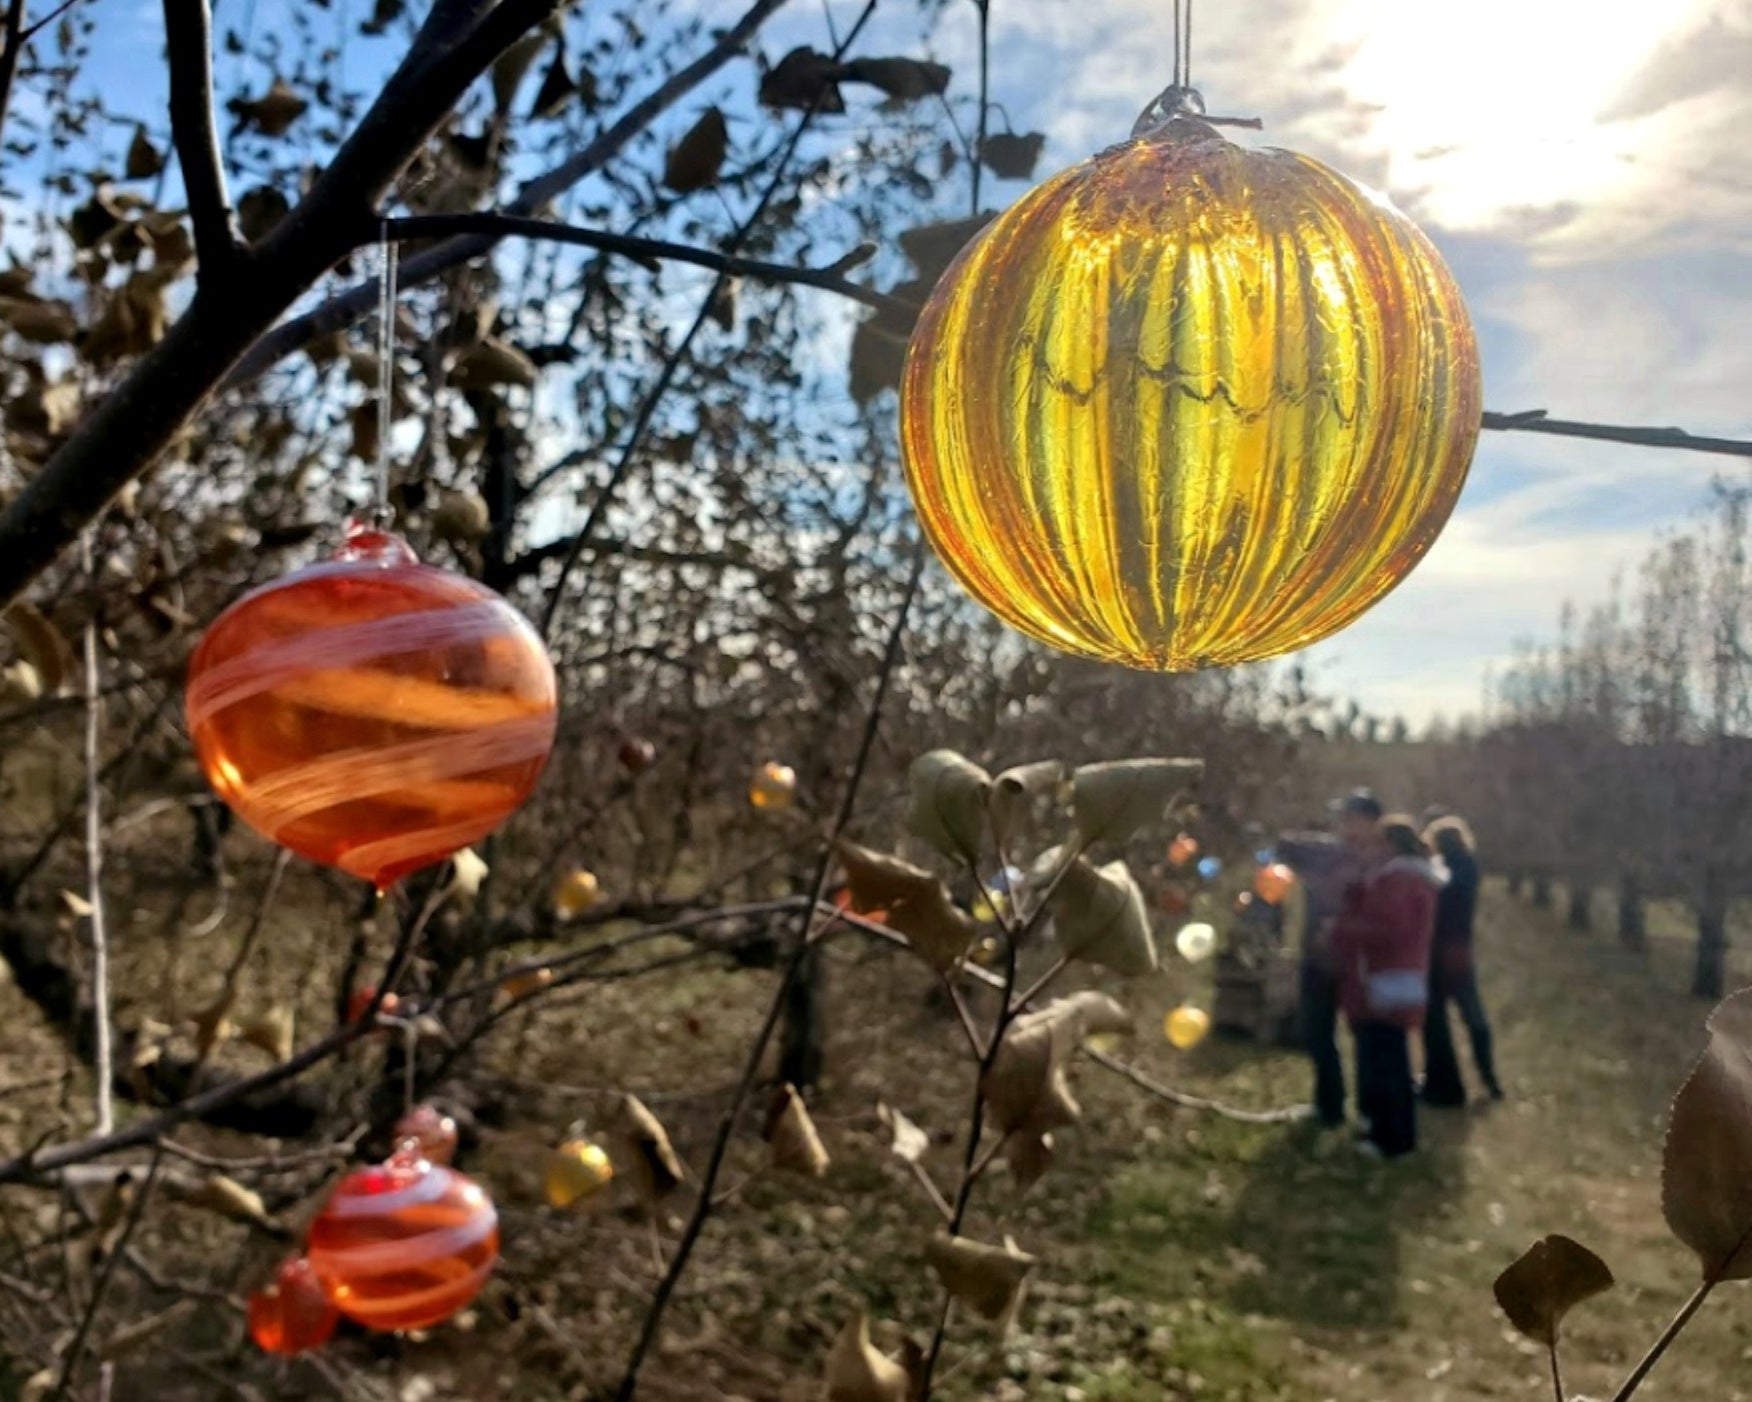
x: 1496, y: 107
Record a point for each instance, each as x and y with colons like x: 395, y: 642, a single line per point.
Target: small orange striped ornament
x: 404, y: 1245
x: 370, y: 712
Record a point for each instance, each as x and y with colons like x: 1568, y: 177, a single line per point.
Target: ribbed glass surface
x: 1188, y: 404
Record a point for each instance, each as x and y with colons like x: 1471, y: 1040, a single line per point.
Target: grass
x: 1183, y: 1256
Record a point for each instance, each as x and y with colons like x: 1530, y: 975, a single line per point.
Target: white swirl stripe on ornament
x: 369, y: 858
x: 284, y: 797
x: 341, y: 648
x: 410, y: 1253
x: 399, y: 1306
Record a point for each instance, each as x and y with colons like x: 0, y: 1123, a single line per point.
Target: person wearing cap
x: 1326, y: 864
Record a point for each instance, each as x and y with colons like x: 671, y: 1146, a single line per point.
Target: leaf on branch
x: 259, y: 212
x: 272, y: 1031
x: 133, y: 320
x: 949, y: 803
x: 803, y: 79
x: 100, y: 216
x: 1015, y: 791
x: 1029, y: 1157
x: 693, y: 162
x: 1027, y: 1088
x: 902, y: 79
x: 77, y: 906
x: 877, y: 881
x: 229, y: 1198
x: 493, y: 363
x: 271, y: 113
x: 987, y: 1279
x: 910, y: 1142
x: 791, y: 1133
x: 213, y: 1023
x: 1115, y: 799
x: 467, y: 873
x: 933, y: 247
x: 167, y: 235
x: 383, y: 14
x: 1707, y: 1162
x: 19, y: 682
x: 1098, y: 915
x: 641, y: 1145
x: 510, y: 67
x: 461, y: 518
x: 144, y: 160
x: 858, y: 1372
x: 1012, y: 157
x: 40, y: 643
x: 1552, y: 1277
x: 557, y: 89
x: 938, y: 930
x: 43, y: 323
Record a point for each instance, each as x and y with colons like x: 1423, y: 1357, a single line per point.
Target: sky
x: 1582, y: 165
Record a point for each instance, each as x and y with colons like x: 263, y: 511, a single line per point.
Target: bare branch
x: 13, y: 38
x: 103, y: 1061
x: 343, y: 310
x: 1535, y: 421
x: 188, y: 34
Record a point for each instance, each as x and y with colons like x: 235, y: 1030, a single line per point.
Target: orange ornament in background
x: 291, y: 1314
x: 429, y: 1132
x: 1272, y: 883
x: 1182, y: 850
x: 773, y: 787
x: 361, y: 1000
x: 404, y: 1245
x: 370, y: 712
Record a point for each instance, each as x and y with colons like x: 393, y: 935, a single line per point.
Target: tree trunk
x: 803, y: 1050
x: 1581, y: 907
x: 1710, y: 979
x: 1633, y: 930
x: 1542, y: 898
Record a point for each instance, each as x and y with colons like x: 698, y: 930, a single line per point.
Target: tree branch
x: 13, y: 38
x: 1535, y: 421
x: 648, y: 252
x: 188, y: 34
x: 344, y: 309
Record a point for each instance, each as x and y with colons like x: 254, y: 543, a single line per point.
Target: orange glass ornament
x: 1175, y: 899
x: 1272, y: 883
x: 372, y: 713
x: 361, y: 1000
x: 773, y: 786
x: 429, y: 1132
x: 1182, y: 850
x: 291, y: 1314
x: 404, y: 1245
x: 1189, y: 404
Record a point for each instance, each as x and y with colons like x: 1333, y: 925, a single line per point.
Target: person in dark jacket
x: 1454, y: 974
x: 1326, y: 865
x: 1381, y: 940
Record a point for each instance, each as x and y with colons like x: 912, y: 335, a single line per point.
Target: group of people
x: 1389, y: 943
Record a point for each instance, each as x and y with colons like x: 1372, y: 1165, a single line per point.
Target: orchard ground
x: 1182, y: 1255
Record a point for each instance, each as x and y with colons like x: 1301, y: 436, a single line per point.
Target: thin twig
x: 1556, y: 1367
x: 13, y: 38
x: 975, y: 1042
x: 757, y: 1050
x: 1662, y: 1344
x: 228, y: 990
x: 77, y: 1347
x: 102, y: 1053
x: 1535, y: 421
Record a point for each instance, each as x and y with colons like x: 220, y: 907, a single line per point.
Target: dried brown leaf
x: 493, y: 363
x: 1115, y: 799
x: 271, y: 113
x: 949, y: 803
x: 509, y: 68
x: 1027, y: 1089
x: 909, y: 1142
x: 229, y: 1198
x: 42, y: 323
x: 796, y: 1145
x: 272, y: 1031
x: 642, y: 1152
x: 1011, y: 156
x: 805, y: 79
x: 1552, y: 1277
x: 1707, y: 1162
x: 259, y: 212
x: 986, y: 1279
x: 903, y: 79
x: 557, y: 88
x: 693, y: 162
x: 40, y: 643
x: 144, y: 160
x: 1098, y: 916
x: 858, y: 1372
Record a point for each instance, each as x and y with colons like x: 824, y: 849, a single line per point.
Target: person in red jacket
x: 1380, y: 943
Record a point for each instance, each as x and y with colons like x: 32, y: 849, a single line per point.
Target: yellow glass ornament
x: 575, y: 892
x: 773, y: 787
x: 1188, y: 404
x: 1186, y: 1026
x: 575, y: 1170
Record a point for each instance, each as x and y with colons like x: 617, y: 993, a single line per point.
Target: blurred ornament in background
x: 636, y: 755
x: 1272, y: 883
x: 361, y: 1001
x: 773, y: 787
x: 428, y: 1131
x: 291, y: 1314
x: 1196, y: 942
x: 1175, y: 899
x: 1182, y: 850
x: 529, y: 981
x: 370, y: 712
x: 1189, y: 404
x: 1186, y: 1026
x: 404, y: 1245
x: 1264, y: 856
x: 1210, y: 868
x: 575, y: 892
x: 576, y: 1169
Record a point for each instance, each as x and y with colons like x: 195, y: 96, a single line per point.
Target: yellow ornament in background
x: 1186, y: 1026
x: 576, y: 1170
x: 773, y: 787
x: 1189, y: 404
x: 575, y: 892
